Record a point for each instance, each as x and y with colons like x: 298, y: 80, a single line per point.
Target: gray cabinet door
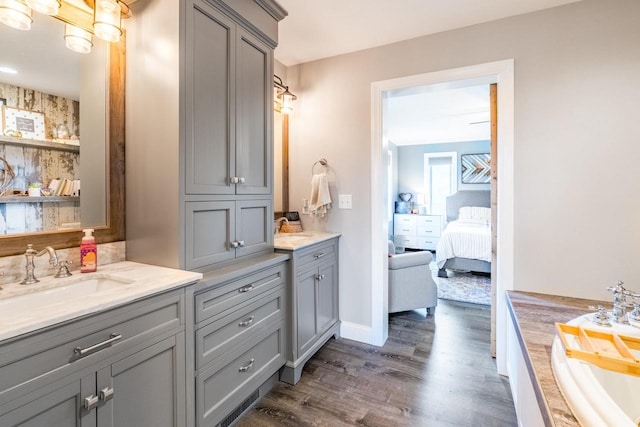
x: 254, y: 226
x: 210, y: 101
x: 254, y: 114
x: 148, y: 388
x: 306, y: 310
x: 61, y: 407
x: 210, y: 231
x: 327, y: 296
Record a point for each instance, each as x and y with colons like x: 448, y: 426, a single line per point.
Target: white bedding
x: 467, y: 238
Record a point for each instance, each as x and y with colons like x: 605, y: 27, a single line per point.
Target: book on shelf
x: 64, y: 187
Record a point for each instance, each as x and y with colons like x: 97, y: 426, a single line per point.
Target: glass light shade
x: 77, y: 39
x: 48, y: 7
x: 15, y: 14
x: 106, y: 20
x: 287, y: 102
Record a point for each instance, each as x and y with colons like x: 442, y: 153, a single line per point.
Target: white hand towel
x: 320, y: 199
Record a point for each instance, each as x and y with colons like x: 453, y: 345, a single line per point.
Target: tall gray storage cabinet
x: 200, y: 160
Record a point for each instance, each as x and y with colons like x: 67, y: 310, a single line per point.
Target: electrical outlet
x: 344, y: 201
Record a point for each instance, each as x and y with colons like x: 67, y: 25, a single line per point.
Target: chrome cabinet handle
x: 233, y: 179
x: 241, y: 180
x: 246, y: 367
x: 320, y: 255
x: 234, y: 244
x: 90, y: 402
x: 241, y: 243
x: 106, y: 394
x: 320, y: 277
x: 246, y: 323
x: 83, y: 351
x: 244, y: 289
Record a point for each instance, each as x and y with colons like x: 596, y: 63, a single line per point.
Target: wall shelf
x: 41, y: 199
x: 39, y: 144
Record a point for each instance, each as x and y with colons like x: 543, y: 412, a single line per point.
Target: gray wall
x: 577, y: 86
x: 411, y: 164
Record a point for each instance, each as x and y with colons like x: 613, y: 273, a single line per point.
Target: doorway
x: 502, y: 73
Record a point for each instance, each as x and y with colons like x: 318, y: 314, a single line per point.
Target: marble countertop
x: 535, y: 316
x: 56, y: 305
x: 295, y: 241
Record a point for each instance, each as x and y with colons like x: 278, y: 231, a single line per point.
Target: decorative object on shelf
x: 34, y: 189
x: 283, y: 96
x: 6, y: 176
x: 405, y: 197
x: 62, y: 131
x: 20, y: 182
x: 100, y: 17
x: 29, y: 124
x: 476, y: 168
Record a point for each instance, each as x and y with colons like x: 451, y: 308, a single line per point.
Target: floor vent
x: 239, y: 409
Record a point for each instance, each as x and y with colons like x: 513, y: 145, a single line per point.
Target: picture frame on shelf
x: 30, y: 124
x: 476, y: 168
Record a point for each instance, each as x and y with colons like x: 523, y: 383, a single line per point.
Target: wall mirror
x: 74, y: 103
x: 281, y: 162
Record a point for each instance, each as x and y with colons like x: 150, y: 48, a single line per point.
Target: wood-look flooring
x: 433, y: 371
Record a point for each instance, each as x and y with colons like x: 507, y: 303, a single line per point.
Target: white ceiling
x: 432, y: 115
x: 319, y: 29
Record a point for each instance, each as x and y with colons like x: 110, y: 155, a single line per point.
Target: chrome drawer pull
x: 246, y: 367
x: 90, y: 402
x: 106, y: 394
x: 244, y: 289
x: 234, y: 244
x: 320, y: 255
x: 241, y: 243
x: 112, y: 338
x: 241, y: 180
x: 246, y: 323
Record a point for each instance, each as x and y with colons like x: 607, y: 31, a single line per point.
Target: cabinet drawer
x: 219, y: 300
x: 222, y: 387
x: 429, y: 230
x: 407, y: 241
x: 404, y: 229
x: 320, y: 253
x: 49, y: 355
x: 221, y: 336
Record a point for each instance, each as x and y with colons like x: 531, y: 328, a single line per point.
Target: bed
x: 465, y: 244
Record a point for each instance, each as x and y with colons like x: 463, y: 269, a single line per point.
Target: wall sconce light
x: 103, y: 19
x: 283, y: 95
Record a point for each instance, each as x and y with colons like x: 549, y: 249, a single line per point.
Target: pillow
x: 475, y: 213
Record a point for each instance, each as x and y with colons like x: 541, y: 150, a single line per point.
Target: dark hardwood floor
x: 433, y: 371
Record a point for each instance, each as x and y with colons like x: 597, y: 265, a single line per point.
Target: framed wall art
x: 30, y: 124
x: 476, y: 168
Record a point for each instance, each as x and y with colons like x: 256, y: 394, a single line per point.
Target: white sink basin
x: 55, y: 294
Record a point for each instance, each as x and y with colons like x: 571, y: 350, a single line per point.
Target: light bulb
x: 106, y: 20
x: 16, y: 14
x: 48, y: 7
x: 77, y: 39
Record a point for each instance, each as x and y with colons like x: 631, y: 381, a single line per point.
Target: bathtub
x: 597, y: 397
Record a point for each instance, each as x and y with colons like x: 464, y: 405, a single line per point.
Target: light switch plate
x: 345, y: 201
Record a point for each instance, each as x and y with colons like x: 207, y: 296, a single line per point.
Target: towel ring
x: 322, y: 162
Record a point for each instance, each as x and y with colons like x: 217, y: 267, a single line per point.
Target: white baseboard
x: 357, y: 332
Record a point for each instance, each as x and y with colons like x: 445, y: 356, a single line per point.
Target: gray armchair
x: 411, y: 285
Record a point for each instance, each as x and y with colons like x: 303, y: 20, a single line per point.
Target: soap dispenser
x: 88, y: 252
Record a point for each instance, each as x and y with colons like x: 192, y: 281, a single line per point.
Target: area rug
x: 465, y: 287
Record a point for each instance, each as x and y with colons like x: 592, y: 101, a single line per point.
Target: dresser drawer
x: 429, y: 220
x: 427, y: 243
x: 428, y: 231
x: 408, y: 241
x: 216, y: 302
x: 29, y: 362
x: 403, y: 229
x: 321, y: 252
x: 222, y: 387
x: 225, y: 335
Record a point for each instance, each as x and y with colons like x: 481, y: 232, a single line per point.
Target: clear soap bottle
x: 20, y: 182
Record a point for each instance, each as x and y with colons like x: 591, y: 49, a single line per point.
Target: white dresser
x: 418, y: 231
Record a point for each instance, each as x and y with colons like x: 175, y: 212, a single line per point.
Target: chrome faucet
x: 277, y: 223
x: 620, y: 304
x: 30, y: 254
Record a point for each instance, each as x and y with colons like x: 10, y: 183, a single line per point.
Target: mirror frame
x: 285, y: 164
x: 114, y: 230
